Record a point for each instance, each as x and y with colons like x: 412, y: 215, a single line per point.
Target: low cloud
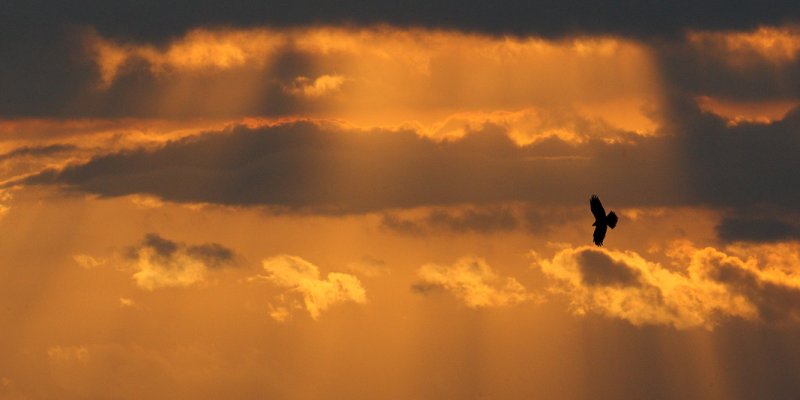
x: 701, y: 288
x: 474, y: 282
x: 162, y: 263
x: 301, y: 277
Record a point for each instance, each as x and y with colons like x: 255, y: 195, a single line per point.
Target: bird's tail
x: 611, y: 220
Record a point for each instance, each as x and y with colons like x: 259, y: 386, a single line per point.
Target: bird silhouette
x: 601, y: 220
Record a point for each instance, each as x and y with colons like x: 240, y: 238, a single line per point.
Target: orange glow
x: 197, y: 50
x: 778, y: 45
x: 737, y: 112
x: 387, y: 77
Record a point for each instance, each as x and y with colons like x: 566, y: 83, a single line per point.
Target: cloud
x: 474, y: 282
x: 37, y: 151
x: 162, y: 263
x: 704, y: 287
x: 303, y: 278
x: 757, y: 229
x: 321, y: 86
x: 328, y: 168
x: 88, y: 262
x: 485, y: 219
x: 126, y: 20
x: 376, y: 74
x: 458, y: 219
x: 749, y: 65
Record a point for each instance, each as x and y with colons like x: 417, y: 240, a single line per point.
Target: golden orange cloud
x: 776, y: 44
x: 737, y: 112
x: 302, y: 277
x: 388, y: 76
x: 474, y: 282
x: 699, y: 288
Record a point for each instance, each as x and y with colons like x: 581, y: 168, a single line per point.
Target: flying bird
x: 601, y: 220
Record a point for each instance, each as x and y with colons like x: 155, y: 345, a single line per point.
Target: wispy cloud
x: 474, y: 282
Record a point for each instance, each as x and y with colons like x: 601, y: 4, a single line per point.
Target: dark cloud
x: 709, y: 68
x: 698, y: 159
x: 162, y: 247
x: 46, y: 70
x: 598, y: 269
x: 741, y: 166
x: 212, y: 255
x: 756, y: 229
x: 427, y: 287
x: 775, y: 301
x: 305, y: 166
x: 154, y: 20
x: 37, y: 151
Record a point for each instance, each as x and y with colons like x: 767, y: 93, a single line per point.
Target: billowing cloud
x: 301, y: 277
x: 162, y: 263
x: 701, y: 288
x: 474, y: 282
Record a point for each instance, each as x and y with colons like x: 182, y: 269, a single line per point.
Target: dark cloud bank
x: 697, y: 160
x: 308, y: 167
x: 46, y: 70
x: 154, y: 20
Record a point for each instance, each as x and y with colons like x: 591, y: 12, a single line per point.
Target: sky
x: 390, y: 200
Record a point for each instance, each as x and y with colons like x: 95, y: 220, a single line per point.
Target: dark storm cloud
x: 154, y: 20
x: 697, y: 160
x: 705, y: 68
x: 757, y: 229
x: 742, y: 166
x: 308, y: 167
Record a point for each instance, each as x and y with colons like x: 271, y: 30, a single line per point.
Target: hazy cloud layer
x: 164, y: 263
x: 474, y: 282
x: 482, y: 220
x: 704, y: 287
x: 301, y: 277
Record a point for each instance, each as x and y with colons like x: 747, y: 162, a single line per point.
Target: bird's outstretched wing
x: 597, y: 210
x: 599, y: 234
